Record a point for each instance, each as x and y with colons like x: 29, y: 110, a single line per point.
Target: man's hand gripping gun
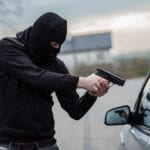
x: 114, y: 79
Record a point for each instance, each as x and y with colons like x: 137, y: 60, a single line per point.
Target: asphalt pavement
x: 90, y: 133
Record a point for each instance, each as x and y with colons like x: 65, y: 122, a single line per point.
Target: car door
x: 137, y: 137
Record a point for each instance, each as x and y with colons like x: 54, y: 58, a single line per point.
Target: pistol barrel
x: 110, y: 77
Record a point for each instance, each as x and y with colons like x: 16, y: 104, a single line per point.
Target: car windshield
x: 144, y: 108
x: 145, y: 101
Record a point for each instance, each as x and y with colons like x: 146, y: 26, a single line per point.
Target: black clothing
x: 44, y: 145
x: 48, y: 27
x: 25, y: 92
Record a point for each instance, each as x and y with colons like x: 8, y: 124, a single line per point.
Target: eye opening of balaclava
x: 49, y: 27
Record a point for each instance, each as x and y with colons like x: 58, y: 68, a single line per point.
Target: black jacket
x: 25, y: 94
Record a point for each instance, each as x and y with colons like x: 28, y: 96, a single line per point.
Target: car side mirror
x: 118, y: 116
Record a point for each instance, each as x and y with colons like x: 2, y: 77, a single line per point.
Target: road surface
x: 90, y: 133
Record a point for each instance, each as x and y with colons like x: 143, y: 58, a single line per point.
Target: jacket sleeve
x: 20, y: 66
x: 75, y: 106
x: 71, y: 102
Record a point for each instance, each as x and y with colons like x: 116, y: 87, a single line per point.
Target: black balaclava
x: 49, y: 27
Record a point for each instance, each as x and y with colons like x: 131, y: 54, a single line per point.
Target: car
x: 136, y: 133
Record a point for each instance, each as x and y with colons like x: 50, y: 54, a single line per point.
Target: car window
x: 144, y: 109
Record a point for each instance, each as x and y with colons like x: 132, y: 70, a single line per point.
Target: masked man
x: 29, y: 73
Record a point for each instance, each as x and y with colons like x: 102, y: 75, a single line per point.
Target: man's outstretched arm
x: 21, y: 66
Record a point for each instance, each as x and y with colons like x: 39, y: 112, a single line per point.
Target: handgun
x: 115, y: 79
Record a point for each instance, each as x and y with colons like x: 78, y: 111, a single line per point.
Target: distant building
x: 89, y: 49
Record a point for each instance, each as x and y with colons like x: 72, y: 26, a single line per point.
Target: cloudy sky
x: 128, y: 20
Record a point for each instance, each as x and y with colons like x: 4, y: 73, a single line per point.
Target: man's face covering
x: 47, y: 28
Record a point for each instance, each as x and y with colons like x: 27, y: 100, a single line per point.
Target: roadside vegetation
x: 125, y: 67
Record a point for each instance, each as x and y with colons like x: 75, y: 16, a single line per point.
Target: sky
x: 127, y: 20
